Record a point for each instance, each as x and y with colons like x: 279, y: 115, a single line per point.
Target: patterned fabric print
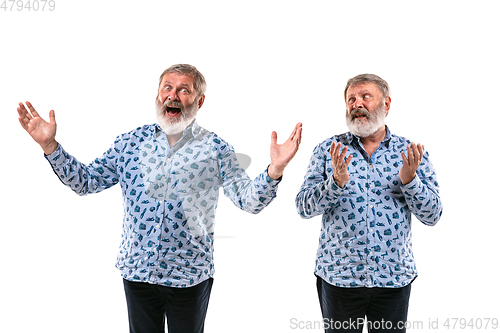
x: 365, y: 238
x: 183, y: 181
x: 170, y: 198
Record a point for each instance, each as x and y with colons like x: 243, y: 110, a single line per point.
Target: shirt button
x: 371, y: 230
x: 157, y: 226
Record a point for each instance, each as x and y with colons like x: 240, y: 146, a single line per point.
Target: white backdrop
x: 268, y: 65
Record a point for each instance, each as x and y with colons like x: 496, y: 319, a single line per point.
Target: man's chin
x: 361, y: 130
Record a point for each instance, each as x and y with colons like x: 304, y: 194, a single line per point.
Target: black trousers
x: 344, y: 309
x: 184, y: 308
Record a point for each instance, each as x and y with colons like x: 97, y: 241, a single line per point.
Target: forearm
x: 423, y: 201
x: 82, y: 179
x: 315, y: 198
x: 49, y: 148
x: 274, y: 173
x: 251, y: 196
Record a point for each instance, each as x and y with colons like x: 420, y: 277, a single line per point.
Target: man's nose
x: 172, y: 96
x: 358, y: 103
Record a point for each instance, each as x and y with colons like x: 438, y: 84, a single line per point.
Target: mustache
x: 359, y: 112
x: 162, y: 108
x: 175, y: 104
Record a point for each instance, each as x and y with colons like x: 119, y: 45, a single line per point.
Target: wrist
x: 340, y: 184
x: 273, y: 173
x: 407, y: 180
x: 50, y: 147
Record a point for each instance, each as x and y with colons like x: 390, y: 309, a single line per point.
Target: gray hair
x: 184, y: 69
x: 368, y: 78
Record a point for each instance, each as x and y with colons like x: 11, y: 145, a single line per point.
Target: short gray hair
x: 369, y: 78
x: 184, y: 69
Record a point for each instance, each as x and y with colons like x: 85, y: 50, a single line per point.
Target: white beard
x: 175, y: 126
x: 365, y: 127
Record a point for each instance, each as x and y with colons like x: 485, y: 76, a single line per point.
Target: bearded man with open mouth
x: 170, y: 174
x: 367, y: 183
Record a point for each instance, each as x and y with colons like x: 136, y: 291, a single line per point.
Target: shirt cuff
x: 58, y: 157
x: 269, y: 180
x: 333, y: 188
x: 413, y: 187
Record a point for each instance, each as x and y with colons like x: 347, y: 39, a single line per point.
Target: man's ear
x: 201, y: 101
x: 387, y: 104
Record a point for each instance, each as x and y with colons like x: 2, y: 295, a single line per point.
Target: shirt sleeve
x: 422, y: 194
x: 319, y: 192
x: 249, y: 195
x: 83, y: 179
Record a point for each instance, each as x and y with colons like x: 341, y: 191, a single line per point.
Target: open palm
x: 282, y: 154
x: 42, y: 132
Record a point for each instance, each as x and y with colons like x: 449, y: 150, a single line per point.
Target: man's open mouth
x: 359, y: 115
x: 173, y: 111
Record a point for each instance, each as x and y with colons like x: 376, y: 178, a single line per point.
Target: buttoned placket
x: 160, y: 139
x: 371, y: 212
x: 161, y: 143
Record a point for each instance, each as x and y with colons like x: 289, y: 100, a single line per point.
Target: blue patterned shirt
x: 169, y: 197
x: 365, y: 238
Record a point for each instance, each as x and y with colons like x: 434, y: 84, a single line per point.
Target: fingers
x: 421, y: 151
x: 348, y: 160
x: 411, y: 157
x: 415, y: 154
x: 333, y: 151
x: 21, y: 110
x: 24, y: 116
x: 338, y: 156
x: 340, y: 164
x: 295, y: 136
x: 405, y: 160
x: 274, y: 138
x: 296, y: 133
x: 52, y: 117
x: 23, y: 124
x: 32, y: 109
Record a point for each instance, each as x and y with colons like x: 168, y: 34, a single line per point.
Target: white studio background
x: 268, y: 64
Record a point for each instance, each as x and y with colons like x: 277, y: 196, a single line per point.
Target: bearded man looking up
x: 366, y: 183
x: 170, y: 174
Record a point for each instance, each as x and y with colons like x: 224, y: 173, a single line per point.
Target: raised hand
x: 411, y: 163
x: 282, y: 154
x: 340, y: 164
x: 44, y: 133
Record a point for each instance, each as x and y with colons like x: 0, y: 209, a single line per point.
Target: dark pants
x: 184, y: 308
x: 344, y: 309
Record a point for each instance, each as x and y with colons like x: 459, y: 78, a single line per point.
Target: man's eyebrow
x: 182, y: 85
x: 359, y: 92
